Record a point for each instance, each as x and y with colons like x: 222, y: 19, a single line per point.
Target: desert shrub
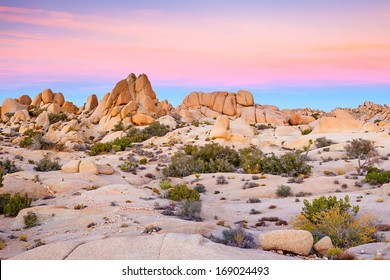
x: 253, y: 200
x: 200, y: 188
x: 155, y: 129
x: 338, y: 254
x: 100, y: 148
x: 323, y: 142
x: 251, y: 160
x: 54, y: 118
x: 249, y: 185
x: 283, y: 191
x: 151, y: 229
x: 376, y: 176
x: 181, y: 192
x: 211, y: 158
x: 10, y: 206
x: 293, y: 164
x: 190, y: 210
x: 296, y: 180
x: 30, y: 220
x: 235, y: 237
x: 7, y: 166
x: 34, y: 140
x: 364, y: 151
x: 221, y: 180
x: 165, y: 184
x: 321, y: 204
x: 306, y: 132
x: 119, y: 126
x: 128, y: 166
x: 143, y: 161
x: 45, y: 165
x: 344, y: 230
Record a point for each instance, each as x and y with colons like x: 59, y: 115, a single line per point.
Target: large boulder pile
x: 236, y: 105
x: 131, y: 101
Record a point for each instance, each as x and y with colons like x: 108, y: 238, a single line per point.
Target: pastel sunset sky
x: 291, y: 53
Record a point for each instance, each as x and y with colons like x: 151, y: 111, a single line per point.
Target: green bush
x: 181, y: 192
x: 293, y: 164
x: 45, y: 165
x: 211, y: 158
x: 30, y: 220
x: 10, y: 206
x: 190, y: 210
x: 251, y: 160
x: 364, y: 150
x: 128, y: 166
x: 34, y: 140
x: 119, y: 126
x: 165, y: 184
x: 283, y: 191
x: 54, y: 118
x: 323, y: 142
x: 344, y: 230
x: 236, y: 238
x: 7, y: 166
x: 377, y: 177
x: 134, y: 135
x: 324, y: 204
x: 306, y: 132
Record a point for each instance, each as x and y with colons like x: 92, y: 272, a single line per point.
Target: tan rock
x: 287, y: 131
x: 142, y: 119
x: 208, y: 99
x: 37, y: 100
x: 275, y: 118
x: 241, y: 127
x: 385, y: 190
x: 229, y: 107
x: 71, y: 167
x: 209, y: 113
x: 342, y: 114
x: 130, y: 108
x: 112, y: 136
x: 88, y: 166
x: 323, y: 246
x: 260, y: 117
x: 221, y: 128
x: 105, y: 169
x: 59, y: 98
x: 219, y: 102
x: 92, y: 102
x: 54, y: 108
x: 296, y: 241
x: 12, y: 185
x: 119, y: 88
x: 68, y: 107
x: 98, y: 113
x: 307, y: 119
x: 192, y: 100
x: 143, y: 87
x: 124, y: 97
x: 47, y: 96
x: 295, y: 119
x: 10, y: 105
x: 245, y: 98
x: 24, y: 100
x: 116, y: 111
x: 249, y: 114
x: 22, y: 115
x: 337, y: 125
x: 43, y: 120
x: 370, y: 127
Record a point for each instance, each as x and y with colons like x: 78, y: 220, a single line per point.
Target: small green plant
x: 323, y: 142
x: 283, y: 191
x: 236, y: 238
x: 7, y: 166
x: 79, y: 207
x: 190, y: 210
x: 55, y: 118
x: 35, y: 141
x: 364, y: 151
x: 10, y: 206
x: 143, y: 161
x: 181, y: 192
x: 119, y: 126
x: 30, y: 220
x: 376, y: 176
x: 45, y: 165
x: 306, y: 132
x: 165, y: 184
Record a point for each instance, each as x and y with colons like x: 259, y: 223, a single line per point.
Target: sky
x: 290, y: 53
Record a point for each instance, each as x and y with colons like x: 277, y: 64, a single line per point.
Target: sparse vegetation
x: 283, y: 191
x: 323, y: 142
x: 30, y: 220
x: 182, y: 192
x: 35, y: 140
x: 364, y: 151
x: 376, y: 176
x: 55, y: 118
x: 190, y: 210
x: 332, y: 217
x: 46, y: 165
x: 10, y: 205
x: 235, y: 237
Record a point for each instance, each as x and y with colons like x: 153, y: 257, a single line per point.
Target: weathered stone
x: 88, y: 166
x: 221, y: 128
x: 59, y: 98
x: 92, y: 102
x: 24, y: 100
x: 323, y: 246
x: 296, y: 241
x: 142, y: 119
x: 71, y: 167
x: 47, y: 96
x: 245, y: 98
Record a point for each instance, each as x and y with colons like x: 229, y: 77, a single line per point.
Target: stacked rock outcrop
x: 132, y: 100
